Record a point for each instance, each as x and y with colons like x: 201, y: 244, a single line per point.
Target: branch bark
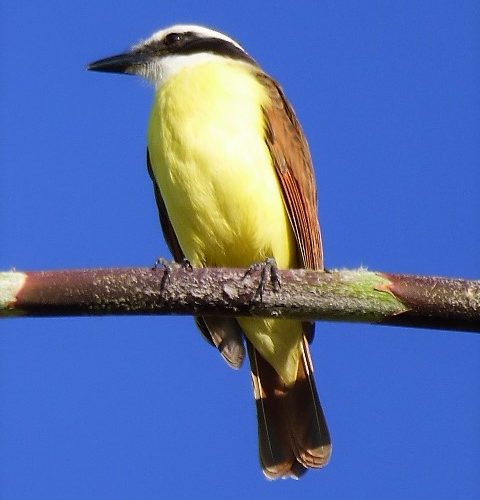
x: 340, y: 295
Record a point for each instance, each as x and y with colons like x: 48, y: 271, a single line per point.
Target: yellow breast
x: 212, y: 165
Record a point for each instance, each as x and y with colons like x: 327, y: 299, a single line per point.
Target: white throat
x: 161, y: 70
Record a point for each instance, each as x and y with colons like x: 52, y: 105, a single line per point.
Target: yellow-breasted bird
x: 234, y: 185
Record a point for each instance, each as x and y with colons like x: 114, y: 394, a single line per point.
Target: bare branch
x: 342, y: 295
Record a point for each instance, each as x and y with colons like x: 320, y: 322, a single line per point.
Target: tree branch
x: 340, y: 295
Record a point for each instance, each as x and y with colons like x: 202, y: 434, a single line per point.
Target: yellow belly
x: 219, y: 186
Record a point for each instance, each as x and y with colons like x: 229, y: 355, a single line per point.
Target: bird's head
x: 171, y: 49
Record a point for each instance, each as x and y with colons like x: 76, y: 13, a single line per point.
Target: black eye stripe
x: 192, y: 43
x: 214, y: 46
x: 167, y: 44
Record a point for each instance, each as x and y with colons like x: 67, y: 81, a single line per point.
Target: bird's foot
x: 168, y: 267
x: 268, y: 272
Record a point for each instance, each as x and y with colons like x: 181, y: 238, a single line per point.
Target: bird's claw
x: 168, y: 267
x: 269, y: 272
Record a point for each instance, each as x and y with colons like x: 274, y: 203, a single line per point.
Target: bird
x: 234, y: 185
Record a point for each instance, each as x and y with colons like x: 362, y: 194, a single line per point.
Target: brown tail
x: 292, y: 432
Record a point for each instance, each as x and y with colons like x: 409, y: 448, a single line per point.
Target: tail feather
x: 292, y: 432
x: 276, y: 453
x: 310, y: 436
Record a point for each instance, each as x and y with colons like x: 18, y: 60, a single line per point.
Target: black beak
x: 121, y: 63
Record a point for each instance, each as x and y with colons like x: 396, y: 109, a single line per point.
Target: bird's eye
x: 172, y: 38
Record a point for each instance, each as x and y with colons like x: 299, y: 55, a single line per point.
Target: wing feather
x: 293, y: 165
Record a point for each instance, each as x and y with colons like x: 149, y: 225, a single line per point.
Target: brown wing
x: 293, y: 434
x: 293, y: 164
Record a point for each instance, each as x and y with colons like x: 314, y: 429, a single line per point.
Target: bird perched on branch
x: 234, y: 185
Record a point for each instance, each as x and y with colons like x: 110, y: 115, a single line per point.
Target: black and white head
x: 169, y: 50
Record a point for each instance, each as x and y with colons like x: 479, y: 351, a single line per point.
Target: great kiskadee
x: 234, y: 185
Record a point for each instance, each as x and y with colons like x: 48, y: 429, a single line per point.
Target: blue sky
x: 388, y: 94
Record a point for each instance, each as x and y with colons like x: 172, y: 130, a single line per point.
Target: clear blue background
x: 142, y: 408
